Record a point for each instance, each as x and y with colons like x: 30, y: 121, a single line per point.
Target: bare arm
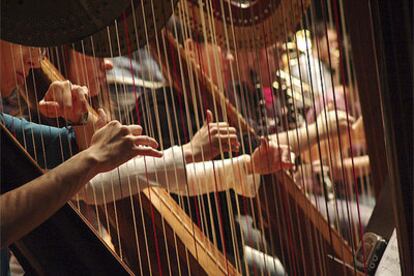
x: 302, y: 138
x: 358, y: 165
x: 25, y: 208
x: 297, y: 139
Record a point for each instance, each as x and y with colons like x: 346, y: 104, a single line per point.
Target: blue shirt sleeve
x: 49, y: 146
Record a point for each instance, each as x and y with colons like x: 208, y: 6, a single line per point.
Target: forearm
x: 139, y: 173
x: 220, y: 175
x: 298, y: 139
x: 25, y: 208
x: 358, y: 165
x: 171, y: 173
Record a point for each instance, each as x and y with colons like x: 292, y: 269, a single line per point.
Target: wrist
x: 189, y: 157
x: 85, y: 132
x: 313, y: 132
x: 92, y: 160
x: 82, y: 121
x: 248, y: 164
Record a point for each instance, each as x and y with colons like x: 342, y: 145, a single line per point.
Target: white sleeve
x: 131, y: 177
x: 220, y: 175
x: 170, y: 173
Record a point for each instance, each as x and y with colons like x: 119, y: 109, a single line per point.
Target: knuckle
x: 85, y: 90
x: 115, y: 123
x: 63, y: 84
x: 123, y: 129
x: 129, y: 140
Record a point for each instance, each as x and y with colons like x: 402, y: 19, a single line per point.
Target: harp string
x: 187, y: 131
x: 240, y: 129
x: 202, y: 94
x: 348, y: 199
x: 317, y: 238
x: 80, y: 63
x: 128, y: 42
x: 33, y: 107
x: 159, y: 130
x: 203, y: 105
x: 255, y: 56
x: 291, y: 219
x: 83, y: 75
x: 177, y: 70
x: 286, y: 207
x: 219, y: 69
x: 342, y: 69
x: 184, y: 86
x: 125, y: 31
x: 246, y: 202
x: 324, y: 96
x: 235, y: 78
x: 295, y: 139
x: 322, y: 126
x: 190, y: 134
x: 319, y: 127
x: 356, y: 191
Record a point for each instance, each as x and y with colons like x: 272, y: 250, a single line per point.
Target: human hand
x: 65, y: 100
x: 114, y: 144
x: 205, y: 144
x: 270, y: 157
x: 328, y: 123
x: 357, y: 130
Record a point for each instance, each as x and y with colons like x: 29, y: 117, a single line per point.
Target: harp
x: 152, y: 234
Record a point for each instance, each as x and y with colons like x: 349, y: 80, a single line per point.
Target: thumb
x: 49, y: 108
x: 351, y: 119
x: 48, y: 104
x: 209, y: 116
x: 263, y: 143
x: 102, y: 118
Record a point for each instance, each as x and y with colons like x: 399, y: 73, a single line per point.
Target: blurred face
x: 88, y: 71
x: 16, y: 61
x: 333, y: 50
x: 214, y: 62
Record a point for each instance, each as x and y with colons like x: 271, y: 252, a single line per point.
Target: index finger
x: 135, y: 129
x: 147, y: 151
x: 67, y: 95
x: 219, y: 124
x: 143, y: 140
